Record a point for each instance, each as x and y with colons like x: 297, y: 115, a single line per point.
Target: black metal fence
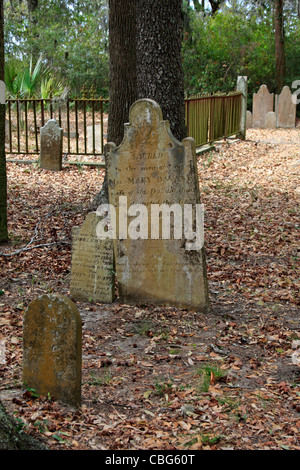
x: 83, y: 122
x: 208, y: 118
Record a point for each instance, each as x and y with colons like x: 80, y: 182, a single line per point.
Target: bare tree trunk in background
x: 122, y: 66
x: 122, y: 75
x: 159, y: 62
x: 3, y: 178
x: 279, y: 45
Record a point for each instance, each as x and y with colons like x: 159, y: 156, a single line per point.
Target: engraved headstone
x: 270, y: 120
x: 92, y: 264
x: 153, y: 183
x: 51, y: 146
x: 52, y: 356
x: 2, y: 92
x: 263, y: 102
x: 285, y: 109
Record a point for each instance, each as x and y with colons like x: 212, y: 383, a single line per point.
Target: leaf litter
x: 143, y: 383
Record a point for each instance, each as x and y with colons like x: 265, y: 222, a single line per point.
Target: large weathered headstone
x: 92, y: 265
x: 153, y: 184
x: 51, y: 146
x: 285, y: 109
x: 52, y: 357
x: 263, y: 102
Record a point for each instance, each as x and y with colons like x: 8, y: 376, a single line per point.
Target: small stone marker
x: 92, y: 266
x: 263, y: 102
x: 242, y: 86
x: 97, y: 138
x: 285, y: 109
x: 152, y: 171
x: 52, y: 357
x: 51, y: 146
x: 270, y: 120
x: 249, y: 120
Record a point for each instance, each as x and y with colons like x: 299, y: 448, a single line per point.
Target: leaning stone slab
x: 51, y: 146
x: 152, y: 182
x: 270, y: 120
x: 263, y: 102
x: 52, y: 348
x: 92, y: 264
x: 285, y: 109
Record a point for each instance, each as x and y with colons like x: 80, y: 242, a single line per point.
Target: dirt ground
x: 165, y: 378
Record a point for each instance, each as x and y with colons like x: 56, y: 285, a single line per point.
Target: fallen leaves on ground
x: 165, y: 378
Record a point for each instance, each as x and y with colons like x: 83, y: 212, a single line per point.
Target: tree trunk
x: 215, y: 5
x: 3, y: 179
x: 13, y: 439
x: 122, y: 75
x: 159, y: 63
x: 279, y: 46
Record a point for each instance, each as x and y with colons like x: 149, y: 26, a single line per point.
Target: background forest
x: 52, y: 45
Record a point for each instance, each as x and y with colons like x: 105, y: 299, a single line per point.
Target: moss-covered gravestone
x: 52, y: 348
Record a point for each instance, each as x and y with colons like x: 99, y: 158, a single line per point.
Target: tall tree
x: 279, y: 45
x: 122, y: 66
x: 3, y: 179
x: 159, y: 62
x: 122, y: 75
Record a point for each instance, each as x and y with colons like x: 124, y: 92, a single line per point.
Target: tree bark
x: 122, y: 66
x: 279, y: 46
x: 159, y: 62
x: 3, y: 178
x: 13, y: 439
x: 122, y: 75
x: 215, y: 5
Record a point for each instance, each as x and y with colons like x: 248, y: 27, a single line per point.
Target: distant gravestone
x: 94, y: 139
x: 242, y: 86
x: 52, y: 348
x: 285, y: 109
x: 51, y: 146
x: 92, y: 265
x: 263, y: 103
x: 152, y: 182
x: 270, y: 120
x: 249, y: 120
